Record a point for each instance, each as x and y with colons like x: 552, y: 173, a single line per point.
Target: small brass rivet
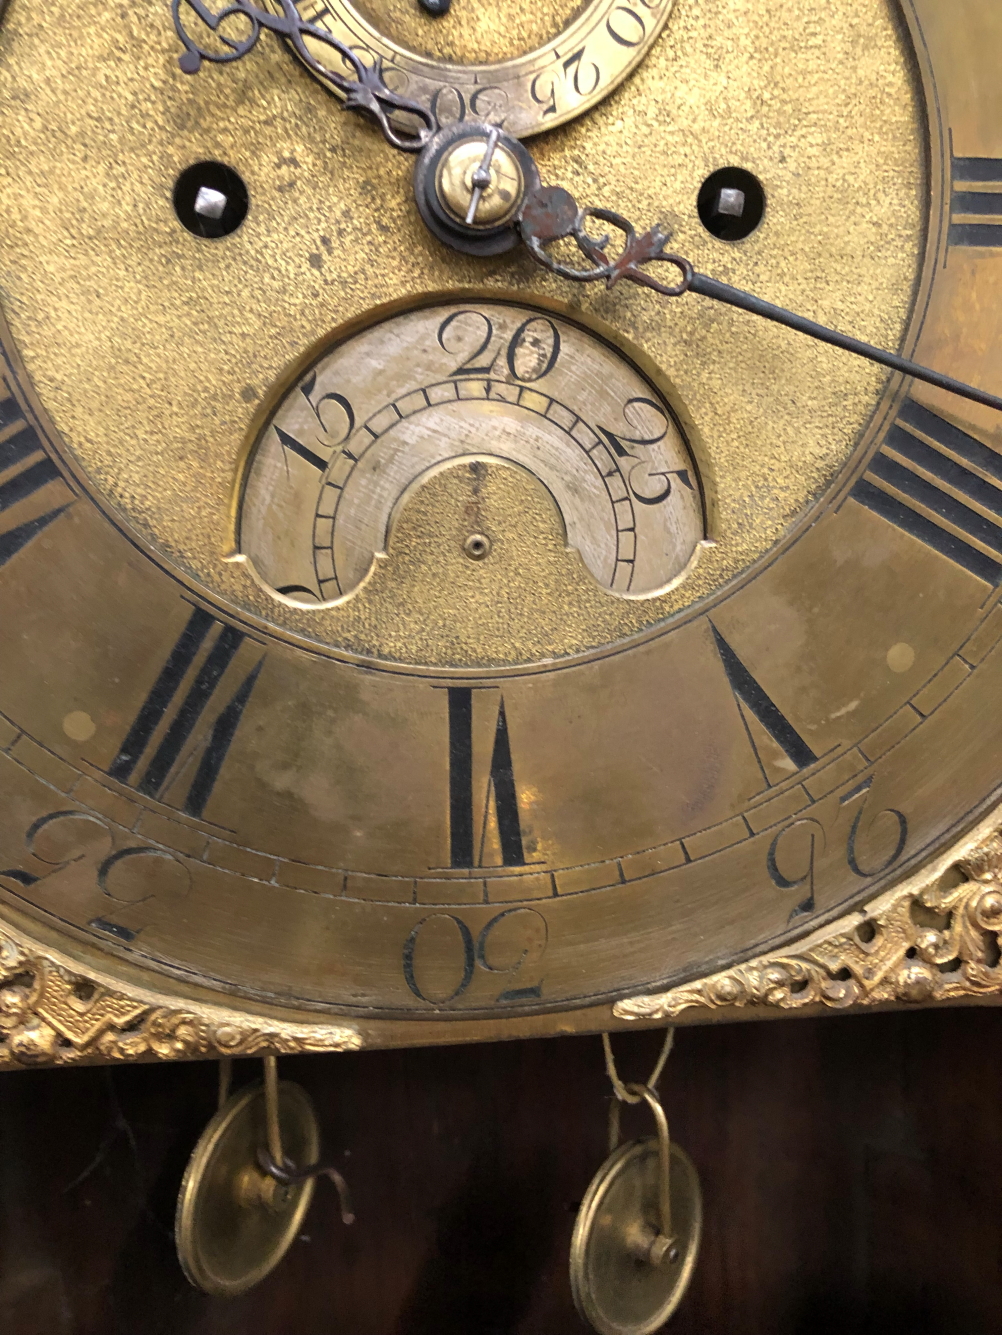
x: 477, y: 546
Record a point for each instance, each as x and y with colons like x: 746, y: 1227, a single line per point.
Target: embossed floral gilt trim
x: 53, y: 1015
x: 935, y: 937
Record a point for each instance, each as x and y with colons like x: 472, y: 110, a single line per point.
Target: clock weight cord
x: 637, y: 1232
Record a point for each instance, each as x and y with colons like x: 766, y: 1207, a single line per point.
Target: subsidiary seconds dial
x: 379, y: 410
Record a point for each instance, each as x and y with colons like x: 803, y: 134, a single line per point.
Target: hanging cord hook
x: 629, y: 1093
x: 651, y: 1246
x: 623, y: 1092
x: 271, y: 1156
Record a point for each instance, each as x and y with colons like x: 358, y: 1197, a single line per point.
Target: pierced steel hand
x: 481, y: 178
x: 547, y: 214
x: 367, y: 92
x: 550, y: 214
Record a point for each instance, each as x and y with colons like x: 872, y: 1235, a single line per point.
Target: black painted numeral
x: 30, y: 468
x: 767, y: 715
x: 940, y: 485
x: 309, y: 456
x: 531, y: 352
x: 649, y: 487
x: 501, y: 782
x: 976, y: 202
x: 520, y: 934
x: 583, y: 84
x: 166, y: 734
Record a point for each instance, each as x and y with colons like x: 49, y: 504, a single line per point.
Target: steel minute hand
x: 548, y: 214
x: 551, y: 214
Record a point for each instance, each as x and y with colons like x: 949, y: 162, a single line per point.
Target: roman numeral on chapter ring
x: 941, y: 486
x: 976, y: 202
x: 500, y: 781
x: 25, y: 469
x: 166, y: 733
x: 779, y: 748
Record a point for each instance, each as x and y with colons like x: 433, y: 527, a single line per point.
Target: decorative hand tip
x: 552, y: 214
x: 366, y: 91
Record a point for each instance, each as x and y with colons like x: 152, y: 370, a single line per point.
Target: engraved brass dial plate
x: 439, y: 782
x: 452, y: 381
x: 579, y: 62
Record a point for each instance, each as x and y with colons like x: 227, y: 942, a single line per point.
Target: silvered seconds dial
x: 415, y: 626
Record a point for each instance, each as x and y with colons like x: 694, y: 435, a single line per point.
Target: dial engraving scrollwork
x: 52, y: 1015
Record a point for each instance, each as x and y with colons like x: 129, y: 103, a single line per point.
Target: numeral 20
x: 536, y: 341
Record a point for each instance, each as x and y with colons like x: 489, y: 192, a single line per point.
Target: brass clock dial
x: 453, y: 380
x: 408, y: 636
x: 529, y: 68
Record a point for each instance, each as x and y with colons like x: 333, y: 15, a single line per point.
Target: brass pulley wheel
x: 235, y: 1221
x: 624, y: 1279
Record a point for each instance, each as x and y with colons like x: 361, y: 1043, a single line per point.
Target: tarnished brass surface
x: 115, y: 308
x: 54, y: 1010
x: 485, y: 797
x: 530, y: 67
x: 500, y: 198
x: 616, y: 1288
x: 331, y: 477
x: 234, y: 1223
x: 934, y: 938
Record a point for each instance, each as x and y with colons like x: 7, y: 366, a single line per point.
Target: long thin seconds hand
x: 551, y: 214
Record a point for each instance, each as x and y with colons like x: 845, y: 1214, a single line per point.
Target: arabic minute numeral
x: 530, y: 354
x: 583, y: 84
x: 897, y: 826
x: 793, y: 854
x: 468, y: 367
x: 308, y: 389
x: 792, y: 858
x: 640, y: 476
x: 75, y: 847
x: 544, y: 95
x: 443, y: 113
x: 441, y: 957
x: 628, y: 30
